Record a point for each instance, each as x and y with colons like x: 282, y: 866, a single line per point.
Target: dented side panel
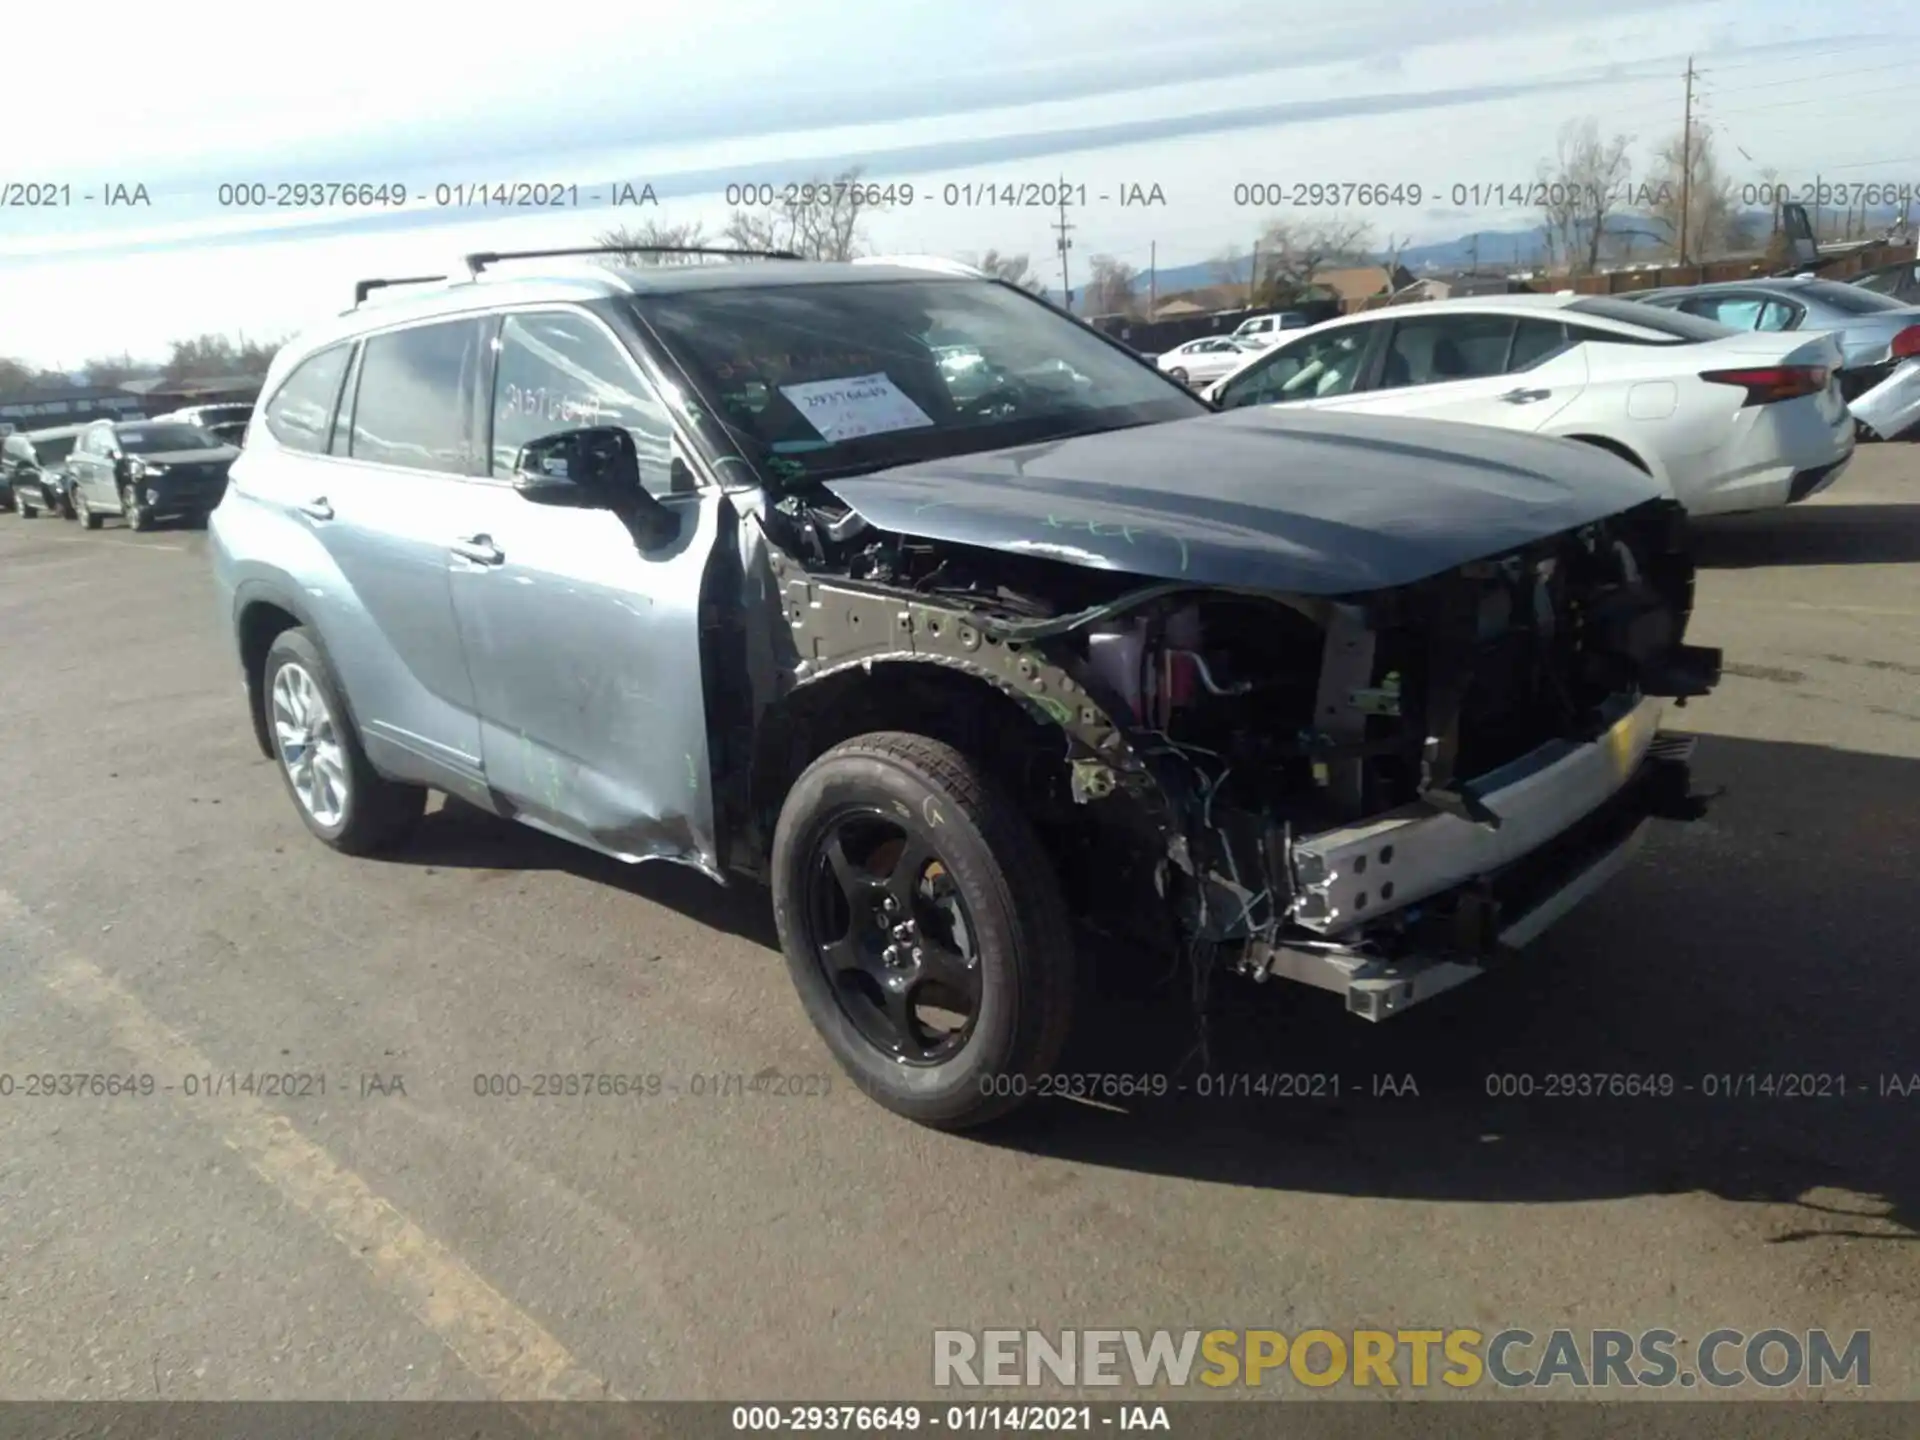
x: 586, y: 660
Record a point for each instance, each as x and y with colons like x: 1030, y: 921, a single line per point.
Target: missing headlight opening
x: 1376, y: 793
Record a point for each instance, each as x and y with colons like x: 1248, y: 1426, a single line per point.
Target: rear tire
x: 83, y: 512
x: 986, y: 865
x: 360, y: 811
x: 23, y: 507
x: 1178, y: 374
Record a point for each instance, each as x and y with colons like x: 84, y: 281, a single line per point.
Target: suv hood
x: 1314, y: 503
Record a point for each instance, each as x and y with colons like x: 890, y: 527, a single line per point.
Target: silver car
x: 736, y: 566
x: 1879, y: 336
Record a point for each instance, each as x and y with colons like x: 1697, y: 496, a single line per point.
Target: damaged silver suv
x: 722, y: 563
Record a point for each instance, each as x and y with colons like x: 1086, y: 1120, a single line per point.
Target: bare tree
x: 109, y: 370
x: 1581, y: 187
x: 1712, y: 219
x: 640, y: 244
x: 820, y: 219
x: 1292, y: 252
x: 1109, y: 288
x: 204, y: 357
x: 1014, y: 269
x: 17, y: 375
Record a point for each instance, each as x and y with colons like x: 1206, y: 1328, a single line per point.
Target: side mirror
x: 596, y: 468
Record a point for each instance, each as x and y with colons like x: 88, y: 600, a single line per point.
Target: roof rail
x: 480, y: 259
x: 937, y: 263
x: 364, y: 288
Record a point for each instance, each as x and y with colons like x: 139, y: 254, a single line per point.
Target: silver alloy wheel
x: 309, y: 743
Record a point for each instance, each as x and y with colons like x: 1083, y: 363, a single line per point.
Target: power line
x: 1809, y: 79
x: 1820, y: 100
x: 1791, y: 56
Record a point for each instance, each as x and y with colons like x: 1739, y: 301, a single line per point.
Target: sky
x: 1118, y: 99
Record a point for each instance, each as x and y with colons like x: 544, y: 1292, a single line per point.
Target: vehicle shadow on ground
x: 1773, y: 938
x: 459, y: 836
x: 1867, y: 534
x: 1778, y: 937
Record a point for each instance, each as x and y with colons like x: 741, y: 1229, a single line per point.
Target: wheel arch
x: 262, y: 612
x: 966, y: 708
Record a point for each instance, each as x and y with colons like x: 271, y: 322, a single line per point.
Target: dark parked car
x: 33, y: 470
x: 146, y: 470
x: 226, y: 421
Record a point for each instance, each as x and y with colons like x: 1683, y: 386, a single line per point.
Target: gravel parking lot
x: 400, y: 1235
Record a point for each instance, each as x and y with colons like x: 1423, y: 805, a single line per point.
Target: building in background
x: 41, y: 406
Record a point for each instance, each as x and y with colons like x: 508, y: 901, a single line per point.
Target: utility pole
x: 1686, y: 162
x: 1153, y: 277
x: 1066, y: 285
x: 1253, y: 272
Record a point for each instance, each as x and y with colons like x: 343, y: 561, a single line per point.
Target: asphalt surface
x: 162, y: 913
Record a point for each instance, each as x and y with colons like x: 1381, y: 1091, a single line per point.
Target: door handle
x: 1525, y: 397
x: 317, y: 508
x: 480, y: 549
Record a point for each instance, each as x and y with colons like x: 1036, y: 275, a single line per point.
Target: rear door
x: 585, y: 651
x: 385, y: 502
x: 1481, y: 368
x: 92, y: 468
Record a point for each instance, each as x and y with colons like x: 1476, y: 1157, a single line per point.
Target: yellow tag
x: 1620, y: 745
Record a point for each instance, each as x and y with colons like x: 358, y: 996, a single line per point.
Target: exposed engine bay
x: 1235, y: 749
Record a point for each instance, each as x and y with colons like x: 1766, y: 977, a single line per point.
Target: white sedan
x: 1728, y: 420
x: 1199, y: 362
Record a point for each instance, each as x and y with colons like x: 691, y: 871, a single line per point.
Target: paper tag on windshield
x: 857, y: 405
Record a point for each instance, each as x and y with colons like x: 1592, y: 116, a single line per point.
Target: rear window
x: 1848, y: 299
x: 1673, y: 324
x: 52, y: 451
x: 159, y: 439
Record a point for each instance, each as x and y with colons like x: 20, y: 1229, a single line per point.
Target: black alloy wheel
x: 894, y: 936
x: 924, y: 928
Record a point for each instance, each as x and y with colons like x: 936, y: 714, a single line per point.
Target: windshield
x: 53, y: 450
x: 819, y: 380
x: 1848, y: 299
x: 161, y: 439
x: 1651, y: 317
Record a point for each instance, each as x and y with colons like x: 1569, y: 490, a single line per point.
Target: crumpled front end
x: 1383, y: 794
x: 1378, y: 792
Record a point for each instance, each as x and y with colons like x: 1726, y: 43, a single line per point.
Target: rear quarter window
x: 300, y: 415
x: 1661, y: 325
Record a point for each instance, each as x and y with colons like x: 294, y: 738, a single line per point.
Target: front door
x: 584, y: 651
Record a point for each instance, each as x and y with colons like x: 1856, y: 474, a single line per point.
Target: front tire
x: 138, y: 516
x: 924, y: 928
x: 342, y: 799
x: 23, y: 507
x: 84, y: 513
